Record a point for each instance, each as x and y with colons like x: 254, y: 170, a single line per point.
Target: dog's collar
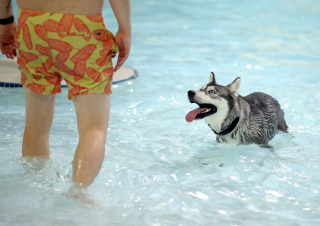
x: 229, y: 129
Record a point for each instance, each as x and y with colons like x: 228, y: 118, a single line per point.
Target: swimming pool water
x: 161, y: 170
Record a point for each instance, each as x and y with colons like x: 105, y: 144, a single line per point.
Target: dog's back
x: 265, y: 115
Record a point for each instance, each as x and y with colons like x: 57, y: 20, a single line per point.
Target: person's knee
x: 94, y: 134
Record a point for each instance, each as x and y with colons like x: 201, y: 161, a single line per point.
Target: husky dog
x: 255, y: 118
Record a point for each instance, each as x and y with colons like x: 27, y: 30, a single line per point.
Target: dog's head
x: 215, y: 101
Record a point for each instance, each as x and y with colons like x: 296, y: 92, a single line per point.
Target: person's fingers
x: 1, y: 48
x: 124, y: 50
x: 14, y: 49
x: 7, y: 49
x: 124, y: 43
x: 120, y: 62
x: 123, y: 56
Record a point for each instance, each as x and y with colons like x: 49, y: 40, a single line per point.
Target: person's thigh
x: 39, y: 110
x: 92, y: 112
x: 39, y: 117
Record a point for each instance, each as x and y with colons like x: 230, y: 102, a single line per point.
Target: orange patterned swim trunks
x: 55, y: 46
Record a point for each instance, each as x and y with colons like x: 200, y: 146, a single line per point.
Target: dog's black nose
x: 191, y: 93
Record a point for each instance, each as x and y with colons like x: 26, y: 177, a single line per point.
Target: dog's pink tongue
x: 192, y: 114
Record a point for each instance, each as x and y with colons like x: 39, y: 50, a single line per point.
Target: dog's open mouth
x: 204, y: 110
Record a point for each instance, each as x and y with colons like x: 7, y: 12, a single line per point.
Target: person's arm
x: 121, y: 10
x: 7, y: 29
x: 5, y: 9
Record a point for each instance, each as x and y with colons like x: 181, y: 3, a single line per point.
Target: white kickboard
x: 10, y: 74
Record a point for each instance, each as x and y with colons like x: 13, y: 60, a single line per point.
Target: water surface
x: 161, y: 170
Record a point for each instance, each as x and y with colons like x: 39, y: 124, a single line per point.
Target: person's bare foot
x: 80, y: 193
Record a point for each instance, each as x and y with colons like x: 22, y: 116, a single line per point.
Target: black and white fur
x: 260, y: 116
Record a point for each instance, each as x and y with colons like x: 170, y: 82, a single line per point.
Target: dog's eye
x: 211, y: 92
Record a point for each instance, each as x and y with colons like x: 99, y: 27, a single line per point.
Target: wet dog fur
x: 255, y: 118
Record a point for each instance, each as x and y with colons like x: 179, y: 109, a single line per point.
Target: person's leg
x: 39, y: 117
x: 92, y: 117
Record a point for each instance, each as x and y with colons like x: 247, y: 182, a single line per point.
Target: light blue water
x: 161, y: 170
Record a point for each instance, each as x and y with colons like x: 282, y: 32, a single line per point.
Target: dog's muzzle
x: 191, y: 94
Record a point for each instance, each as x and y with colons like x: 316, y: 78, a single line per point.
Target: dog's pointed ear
x: 234, y: 87
x: 212, y: 78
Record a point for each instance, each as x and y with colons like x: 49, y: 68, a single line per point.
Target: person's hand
x: 7, y: 43
x: 124, y: 44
